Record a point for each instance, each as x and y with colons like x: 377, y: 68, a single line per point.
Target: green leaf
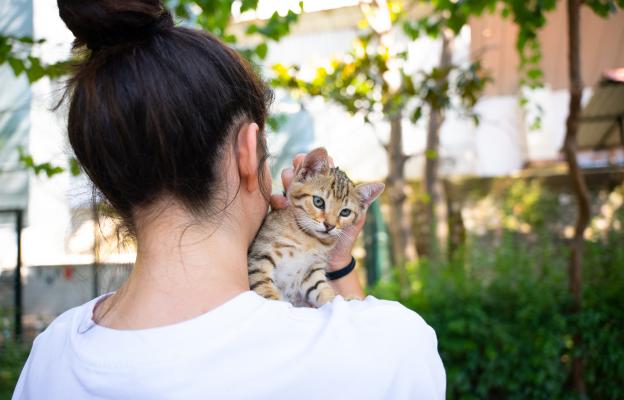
x: 261, y: 50
x: 52, y: 170
x: 417, y: 114
x: 230, y: 38
x: 17, y: 65
x: 475, y: 119
x: 535, y: 74
x: 251, y: 29
x: 411, y: 29
x: 275, y: 121
x: 74, y: 167
x: 431, y: 154
x: 36, y: 71
x: 247, y: 5
x: 29, y: 163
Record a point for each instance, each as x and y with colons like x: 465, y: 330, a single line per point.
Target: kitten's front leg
x: 261, y: 277
x: 314, y: 287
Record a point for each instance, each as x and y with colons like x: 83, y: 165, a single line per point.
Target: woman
x: 168, y: 123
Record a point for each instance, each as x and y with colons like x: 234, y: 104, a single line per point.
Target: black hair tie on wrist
x: 333, y: 275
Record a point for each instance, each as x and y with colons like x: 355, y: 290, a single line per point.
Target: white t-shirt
x: 247, y: 348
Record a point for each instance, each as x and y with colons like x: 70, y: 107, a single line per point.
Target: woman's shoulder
x: 367, y: 310
x: 74, y: 318
x: 368, y: 320
x: 356, y: 335
x: 55, y: 339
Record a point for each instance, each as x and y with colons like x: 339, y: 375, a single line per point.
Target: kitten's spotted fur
x: 288, y: 257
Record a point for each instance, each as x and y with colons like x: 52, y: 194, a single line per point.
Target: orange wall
x: 602, y: 47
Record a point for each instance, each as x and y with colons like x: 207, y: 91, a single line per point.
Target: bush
x: 502, y: 320
x: 12, y: 358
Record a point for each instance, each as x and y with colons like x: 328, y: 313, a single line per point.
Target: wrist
x: 337, y: 263
x: 342, y: 272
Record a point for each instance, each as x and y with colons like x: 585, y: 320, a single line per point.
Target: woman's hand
x: 348, y: 286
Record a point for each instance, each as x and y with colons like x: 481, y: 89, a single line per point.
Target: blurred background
x: 497, y: 126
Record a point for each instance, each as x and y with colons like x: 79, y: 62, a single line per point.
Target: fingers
x: 354, y: 230
x: 297, y: 160
x: 357, y: 227
x: 278, y: 202
x: 288, y: 175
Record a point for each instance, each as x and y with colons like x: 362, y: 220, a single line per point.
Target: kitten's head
x: 324, y: 199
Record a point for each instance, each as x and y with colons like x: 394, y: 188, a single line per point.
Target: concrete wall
x: 48, y: 291
x: 16, y: 19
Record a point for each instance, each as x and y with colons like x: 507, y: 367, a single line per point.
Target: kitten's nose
x: 328, y: 227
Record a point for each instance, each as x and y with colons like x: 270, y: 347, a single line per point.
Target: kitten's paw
x: 270, y: 293
x: 325, y: 296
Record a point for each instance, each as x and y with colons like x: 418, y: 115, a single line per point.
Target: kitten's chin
x: 324, y: 235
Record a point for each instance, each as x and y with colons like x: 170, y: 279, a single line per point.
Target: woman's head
x: 153, y: 107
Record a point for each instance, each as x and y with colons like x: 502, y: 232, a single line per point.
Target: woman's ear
x: 246, y: 147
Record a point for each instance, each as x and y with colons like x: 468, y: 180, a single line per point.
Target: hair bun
x: 100, y: 23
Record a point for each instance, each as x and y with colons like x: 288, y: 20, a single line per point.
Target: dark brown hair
x: 152, y: 105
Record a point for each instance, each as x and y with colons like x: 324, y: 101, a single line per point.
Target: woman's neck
x: 182, y: 270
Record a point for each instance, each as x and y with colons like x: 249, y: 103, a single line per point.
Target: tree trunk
x: 578, y: 183
x: 400, y: 227
x: 432, y: 186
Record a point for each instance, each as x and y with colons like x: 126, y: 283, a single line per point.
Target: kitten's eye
x: 345, y: 213
x: 318, y: 202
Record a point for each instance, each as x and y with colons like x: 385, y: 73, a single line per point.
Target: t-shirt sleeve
x: 420, y: 373
x: 422, y: 369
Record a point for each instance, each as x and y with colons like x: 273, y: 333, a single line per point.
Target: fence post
x: 376, y: 244
x: 19, y: 215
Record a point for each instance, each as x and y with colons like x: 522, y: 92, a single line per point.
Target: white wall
x: 15, y: 96
x: 49, y: 214
x: 499, y: 145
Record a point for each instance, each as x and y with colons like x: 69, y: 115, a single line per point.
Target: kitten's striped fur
x: 288, y: 257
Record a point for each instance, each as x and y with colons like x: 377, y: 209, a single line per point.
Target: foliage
x: 13, y: 355
x: 371, y: 79
x: 27, y: 161
x: 501, y: 313
x: 529, y: 202
x: 48, y: 168
x: 503, y: 326
x: 215, y: 16
x: 12, y: 358
x: 17, y: 53
x: 528, y: 16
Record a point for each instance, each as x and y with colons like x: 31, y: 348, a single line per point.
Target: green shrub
x: 12, y: 358
x: 602, y: 319
x: 503, y: 322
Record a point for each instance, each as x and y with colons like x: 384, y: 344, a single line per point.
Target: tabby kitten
x: 288, y: 257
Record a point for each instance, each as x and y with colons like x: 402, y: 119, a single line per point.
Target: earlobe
x: 368, y: 192
x: 247, y: 145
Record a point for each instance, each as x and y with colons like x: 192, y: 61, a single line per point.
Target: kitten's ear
x: 315, y: 162
x: 368, y: 192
